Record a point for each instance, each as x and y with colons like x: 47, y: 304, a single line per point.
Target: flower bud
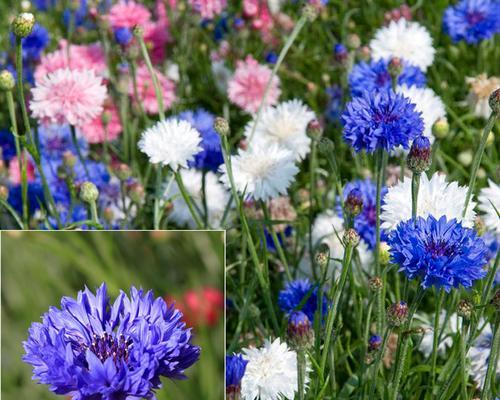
x: 322, y: 256
x: 4, y: 192
x: 326, y: 146
x: 494, y: 102
x: 136, y: 192
x: 340, y: 52
x: 69, y: 159
x: 353, y: 41
x: 395, y: 67
x: 351, y: 237
x: 374, y: 342
x: 397, y: 314
x: 419, y: 158
x: 108, y: 214
x: 479, y: 225
x: 310, y: 12
x: 314, y: 129
x: 299, y: 331
x: 354, y: 202
x: 138, y: 31
x: 221, y: 126
x: 88, y: 192
x: 7, y: 82
x: 375, y: 284
x: 23, y: 24
x: 123, y: 36
x: 384, y: 253
x: 441, y: 128
x: 122, y: 171
x: 465, y: 308
x: 465, y: 158
x: 364, y: 53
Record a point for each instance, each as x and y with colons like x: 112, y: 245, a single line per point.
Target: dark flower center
x: 383, y: 79
x: 105, y: 346
x: 439, y: 249
x: 474, y: 17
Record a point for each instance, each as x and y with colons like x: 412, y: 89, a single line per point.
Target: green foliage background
x: 38, y: 268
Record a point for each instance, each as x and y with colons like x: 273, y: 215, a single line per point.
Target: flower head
x: 433, y: 199
x: 66, y: 96
x: 271, y: 372
x: 235, y: 369
x: 295, y: 292
x: 208, y: 9
x: 128, y: 14
x: 472, y: 20
x: 375, y: 75
x: 91, y: 348
x: 407, y: 40
x: 170, y: 142
x: 381, y: 120
x: 284, y: 124
x: 246, y: 87
x: 489, y: 205
x: 262, y: 173
x: 440, y: 252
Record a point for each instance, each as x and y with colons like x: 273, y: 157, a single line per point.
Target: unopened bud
x: 88, y: 192
x: 299, y: 331
x: 69, y: 159
x: 441, y: 128
x: 23, y: 24
x: 122, y: 171
x: 375, y: 284
x: 138, y: 31
x: 374, y: 342
x: 322, y: 255
x: 136, y: 192
x: 326, y: 146
x: 354, y: 202
x: 340, y: 52
x: 465, y: 308
x: 397, y: 314
x: 310, y: 12
x: 221, y: 126
x: 465, y: 158
x: 351, y: 237
x: 395, y: 67
x: 4, y: 192
x: 419, y: 157
x: 479, y: 225
x: 353, y: 41
x: 314, y: 129
x: 7, y: 82
x: 494, y: 102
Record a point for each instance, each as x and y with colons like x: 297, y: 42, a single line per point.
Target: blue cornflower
x: 7, y: 144
x: 375, y: 75
x: 78, y: 16
x: 364, y: 222
x: 282, y: 236
x: 235, y: 369
x: 439, y: 252
x: 211, y: 156
x: 334, y: 107
x: 78, y: 213
x: 55, y: 140
x: 34, y: 43
x: 381, y: 120
x: 340, y: 52
x: 271, y: 57
x: 94, y: 349
x: 44, y: 5
x: 123, y: 36
x: 472, y: 20
x: 295, y: 292
x: 35, y: 197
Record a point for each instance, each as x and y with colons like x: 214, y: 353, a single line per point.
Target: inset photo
x: 112, y: 315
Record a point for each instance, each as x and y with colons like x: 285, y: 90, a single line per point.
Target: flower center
x: 439, y: 249
x: 474, y: 17
x: 105, y: 346
x: 382, y: 79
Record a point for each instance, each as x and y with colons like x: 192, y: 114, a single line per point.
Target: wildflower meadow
x: 348, y: 148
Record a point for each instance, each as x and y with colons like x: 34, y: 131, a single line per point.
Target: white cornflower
x: 286, y: 125
x: 271, y: 372
x: 428, y: 103
x: 262, y: 173
x: 217, y: 198
x: 436, y: 197
x: 479, y: 355
x: 404, y: 39
x: 446, y: 341
x: 171, y: 142
x: 489, y: 204
x: 480, y: 88
x: 328, y: 228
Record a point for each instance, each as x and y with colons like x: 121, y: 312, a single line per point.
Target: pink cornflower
x: 260, y: 15
x: 246, y: 87
x: 82, y: 57
x: 208, y: 9
x: 15, y: 171
x: 146, y: 90
x: 94, y: 131
x: 67, y: 96
x: 128, y: 14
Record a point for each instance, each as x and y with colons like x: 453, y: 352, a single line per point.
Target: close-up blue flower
x: 472, y: 20
x: 301, y: 291
x: 235, y: 369
x: 92, y: 348
x: 381, y: 120
x: 374, y: 75
x: 438, y: 252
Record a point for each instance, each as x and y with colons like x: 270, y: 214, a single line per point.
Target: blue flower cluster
x: 211, y: 156
x: 472, y: 20
x: 295, y: 292
x: 381, y: 120
x: 374, y: 75
x: 439, y: 252
x: 94, y: 349
x: 365, y: 222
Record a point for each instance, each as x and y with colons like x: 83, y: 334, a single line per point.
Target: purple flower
x: 94, y: 349
x: 375, y: 75
x: 235, y: 369
x: 439, y: 252
x: 381, y: 120
x: 472, y: 20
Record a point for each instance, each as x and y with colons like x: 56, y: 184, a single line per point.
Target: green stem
x: 301, y: 372
x: 20, y: 89
x: 78, y: 150
x: 376, y: 365
x: 187, y: 200
x: 463, y: 361
x: 156, y: 209
x: 435, y: 337
x: 477, y: 159
x: 489, y: 383
x: 312, y: 186
x: 93, y: 213
x: 415, y: 183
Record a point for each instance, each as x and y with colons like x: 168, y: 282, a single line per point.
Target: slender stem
x: 78, y: 150
x: 477, y: 159
x: 463, y: 360
x: 93, y: 213
x: 312, y: 186
x: 296, y: 30
x: 376, y: 365
x: 156, y: 209
x: 415, y: 183
x: 335, y: 294
x: 435, y: 337
x: 187, y: 200
x: 301, y: 372
x: 20, y: 88
x: 489, y: 383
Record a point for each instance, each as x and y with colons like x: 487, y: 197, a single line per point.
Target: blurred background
x: 38, y: 268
